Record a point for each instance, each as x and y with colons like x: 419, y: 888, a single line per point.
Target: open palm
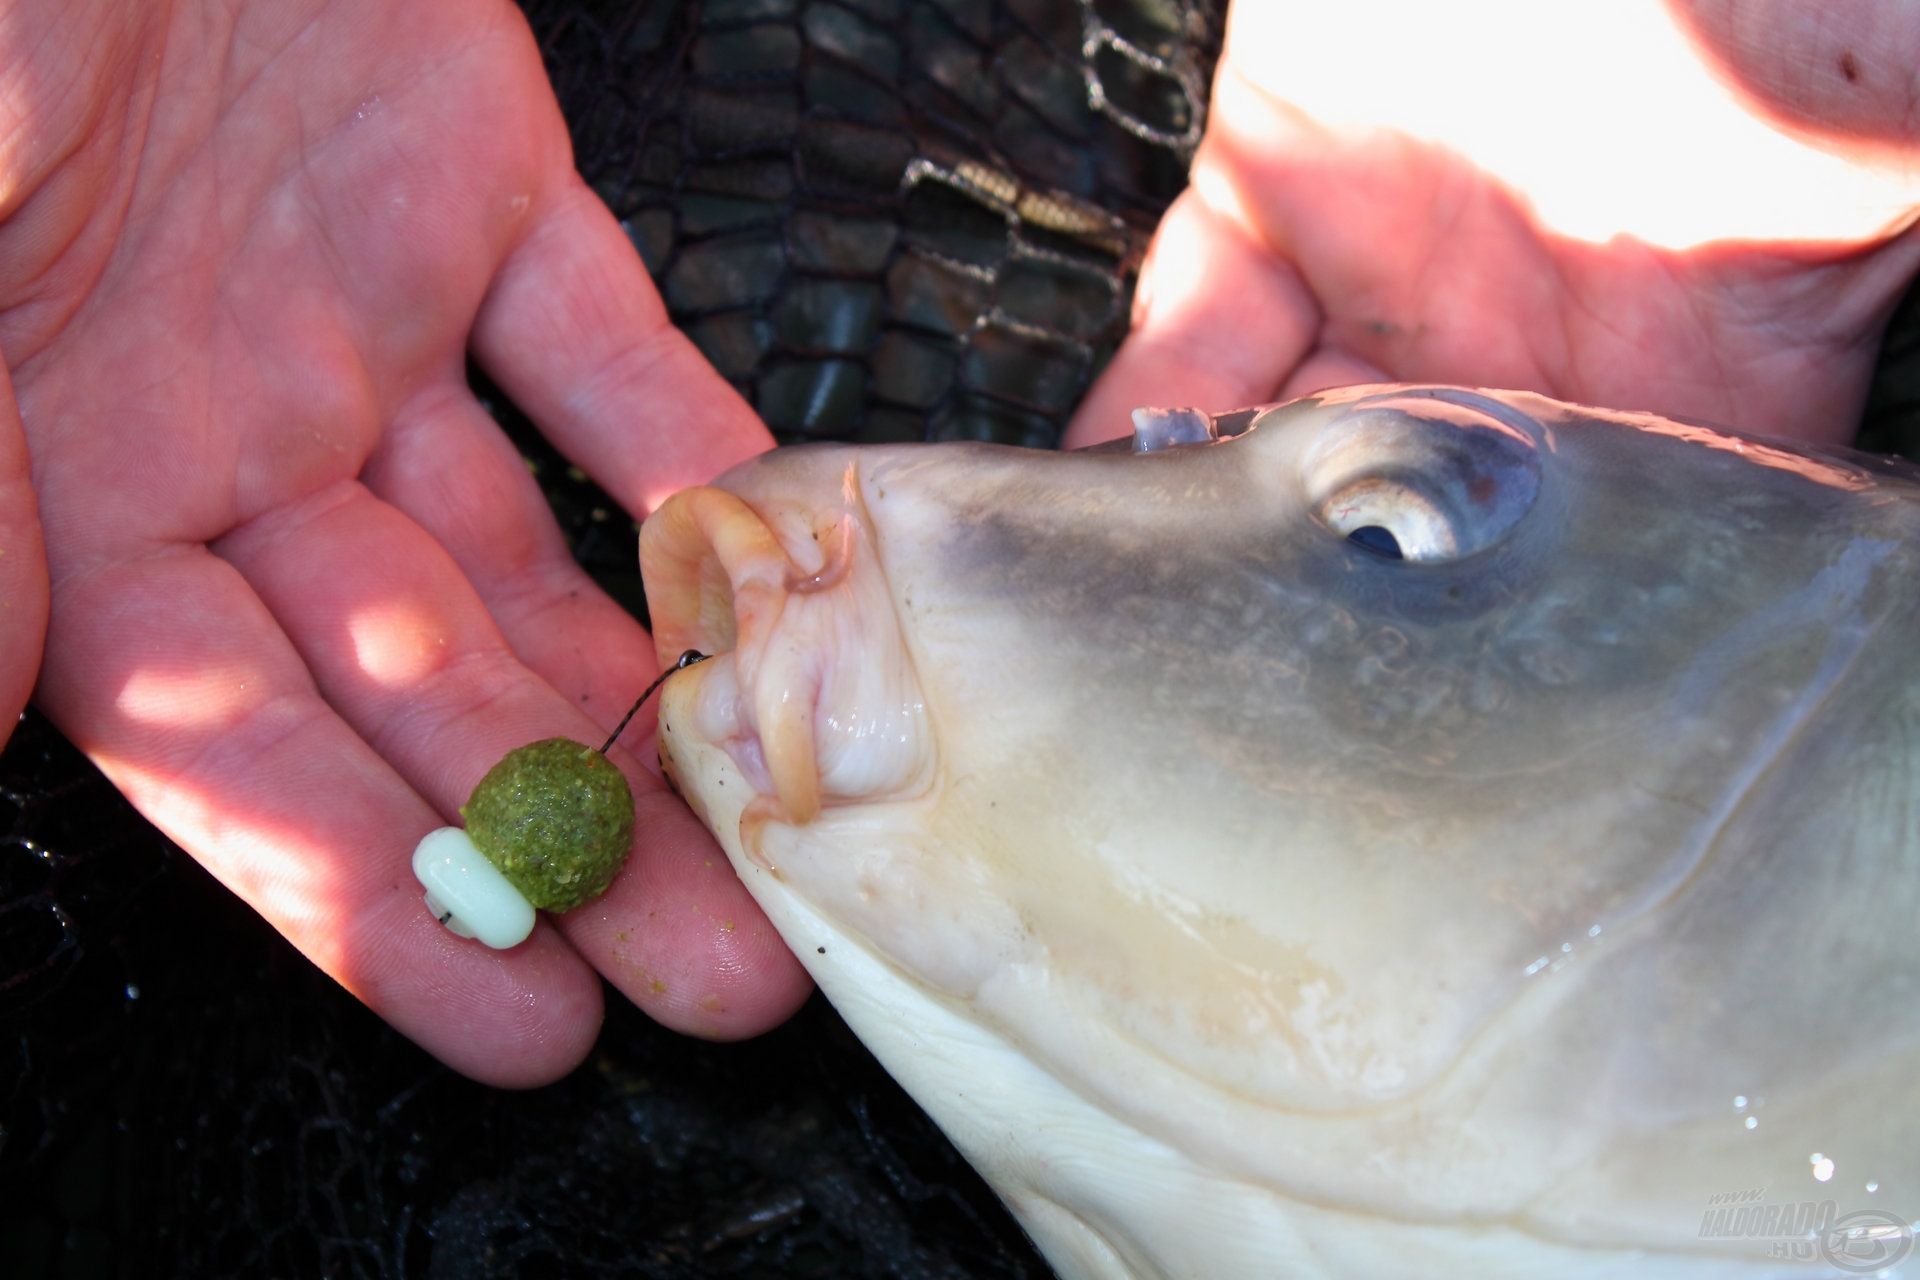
x: 303, y: 592
x: 1392, y: 192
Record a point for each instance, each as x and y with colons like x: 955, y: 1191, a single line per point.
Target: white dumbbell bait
x: 467, y: 893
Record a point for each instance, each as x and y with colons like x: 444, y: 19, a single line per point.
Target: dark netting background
x: 883, y: 220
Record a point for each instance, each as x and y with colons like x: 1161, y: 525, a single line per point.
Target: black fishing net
x: 1891, y: 423
x: 882, y: 220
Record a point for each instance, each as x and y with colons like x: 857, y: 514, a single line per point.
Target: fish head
x: 1284, y: 785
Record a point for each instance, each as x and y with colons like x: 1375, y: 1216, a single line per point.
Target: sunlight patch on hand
x: 203, y: 696
x: 1599, y: 113
x: 397, y: 644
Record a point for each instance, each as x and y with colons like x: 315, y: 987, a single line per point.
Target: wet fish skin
x: 1244, y: 902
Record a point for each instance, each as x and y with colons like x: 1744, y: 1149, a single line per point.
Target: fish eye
x: 1425, y: 480
x: 1392, y: 520
x: 1378, y: 539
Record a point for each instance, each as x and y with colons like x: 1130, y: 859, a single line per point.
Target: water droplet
x: 1594, y: 932
x: 1536, y: 966
x: 1822, y: 1168
x: 1872, y: 1187
x: 1739, y: 1102
x: 133, y: 991
x: 1753, y: 1122
x: 1566, y: 947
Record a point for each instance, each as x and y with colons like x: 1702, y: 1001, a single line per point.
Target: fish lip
x: 779, y: 579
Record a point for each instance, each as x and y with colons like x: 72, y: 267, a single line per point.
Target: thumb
x: 1219, y: 322
x: 1840, y: 74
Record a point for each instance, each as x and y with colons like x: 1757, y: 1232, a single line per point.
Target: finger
x: 446, y: 465
x: 400, y: 643
x: 716, y: 967
x: 1845, y: 76
x: 1324, y: 369
x: 1218, y: 324
x: 1398, y: 241
x: 574, y: 331
x: 23, y: 567
x: 212, y: 727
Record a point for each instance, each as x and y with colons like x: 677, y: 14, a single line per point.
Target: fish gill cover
x: 882, y: 220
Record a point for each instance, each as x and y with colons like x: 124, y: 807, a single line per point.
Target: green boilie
x: 556, y: 818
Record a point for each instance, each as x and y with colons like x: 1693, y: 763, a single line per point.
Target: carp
x: 1410, y: 831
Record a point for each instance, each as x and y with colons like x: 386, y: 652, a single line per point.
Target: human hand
x: 23, y: 569
x: 1588, y: 199
x: 304, y: 592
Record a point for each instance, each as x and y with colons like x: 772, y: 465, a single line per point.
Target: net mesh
x: 882, y: 220
x: 891, y: 219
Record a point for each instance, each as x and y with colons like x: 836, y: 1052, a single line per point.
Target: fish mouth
x: 810, y: 688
